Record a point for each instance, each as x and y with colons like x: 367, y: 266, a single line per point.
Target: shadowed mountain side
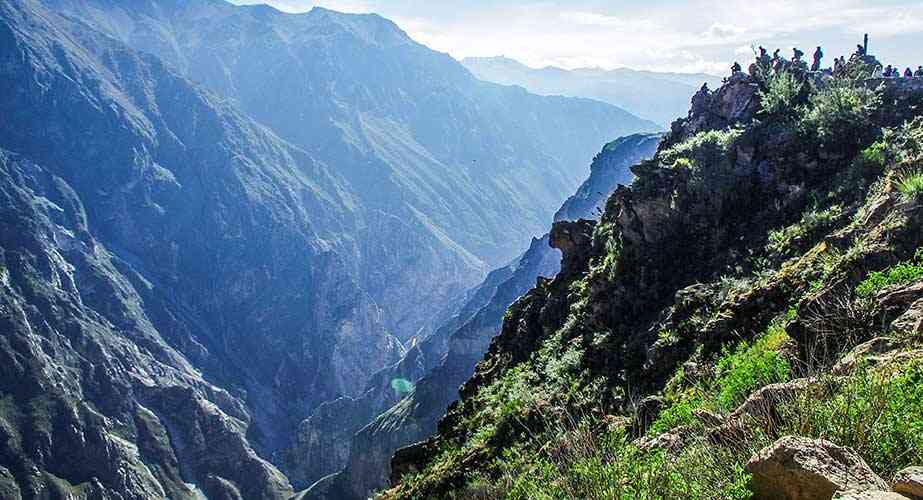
x: 168, y: 217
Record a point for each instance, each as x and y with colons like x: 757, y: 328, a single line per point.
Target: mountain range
x: 216, y: 219
x: 659, y: 96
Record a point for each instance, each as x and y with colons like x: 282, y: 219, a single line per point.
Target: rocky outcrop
x: 733, y: 103
x: 907, y: 302
x: 877, y: 351
x: 611, y: 167
x: 797, y: 468
x: 909, y: 482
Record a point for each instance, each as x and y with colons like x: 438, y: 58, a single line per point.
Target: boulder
x: 910, y: 324
x: 868, y: 495
x: 762, y: 405
x: 909, y: 482
x: 868, y: 351
x: 900, y: 296
x: 647, y: 412
x: 797, y: 468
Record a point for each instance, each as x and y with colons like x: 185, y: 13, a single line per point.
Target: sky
x: 658, y: 35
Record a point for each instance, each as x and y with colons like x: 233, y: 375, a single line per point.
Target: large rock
x: 868, y: 495
x: 762, y: 406
x: 910, y: 324
x: 909, y: 482
x: 797, y: 468
x: 866, y: 352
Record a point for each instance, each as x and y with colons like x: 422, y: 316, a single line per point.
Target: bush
x: 750, y: 367
x: 705, y: 148
x: 738, y: 373
x: 902, y: 273
x: 587, y: 464
x: 910, y: 185
x: 841, y: 113
x: 878, y: 413
x: 811, y: 221
x: 782, y: 95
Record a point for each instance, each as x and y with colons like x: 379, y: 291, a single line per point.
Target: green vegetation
x: 705, y: 148
x: 781, y: 95
x: 902, y: 273
x: 877, y: 412
x: 910, y: 185
x: 841, y: 113
x: 751, y: 366
x: 738, y: 372
x: 589, y: 464
x: 812, y: 221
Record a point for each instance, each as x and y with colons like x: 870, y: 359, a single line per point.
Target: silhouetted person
x: 888, y: 72
x: 860, y: 50
x: 763, y: 58
x: 818, y: 56
x: 838, y: 66
x: 919, y: 72
x: 908, y: 73
x: 735, y: 68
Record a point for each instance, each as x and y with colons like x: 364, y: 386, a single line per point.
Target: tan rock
x: 868, y: 495
x: 910, y: 323
x: 763, y: 404
x: 909, y: 482
x: 873, y: 348
x: 797, y: 468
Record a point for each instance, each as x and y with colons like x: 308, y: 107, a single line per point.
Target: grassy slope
x: 748, y: 252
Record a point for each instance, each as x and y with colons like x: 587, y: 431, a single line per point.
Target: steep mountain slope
x: 176, y: 278
x: 660, y: 97
x: 446, y: 161
x: 446, y: 359
x: 721, y: 303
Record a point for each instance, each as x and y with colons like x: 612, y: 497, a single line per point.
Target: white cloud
x: 697, y: 35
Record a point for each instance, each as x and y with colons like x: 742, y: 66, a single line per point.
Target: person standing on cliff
x: 818, y: 56
x: 908, y: 73
x: 919, y: 72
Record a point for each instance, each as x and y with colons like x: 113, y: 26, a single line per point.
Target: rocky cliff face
x: 447, y: 358
x: 755, y: 231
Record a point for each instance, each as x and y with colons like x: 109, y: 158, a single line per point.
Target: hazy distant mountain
x: 214, y: 218
x: 661, y: 97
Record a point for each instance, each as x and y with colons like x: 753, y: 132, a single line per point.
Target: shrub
x: 910, y: 185
x: 738, y: 372
x: 841, y: 113
x: 750, y: 367
x: 584, y: 463
x: 782, y: 94
x: 704, y: 148
x: 811, y: 221
x: 902, y: 273
x: 878, y: 413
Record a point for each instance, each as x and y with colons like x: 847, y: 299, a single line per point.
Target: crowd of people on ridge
x: 797, y: 63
